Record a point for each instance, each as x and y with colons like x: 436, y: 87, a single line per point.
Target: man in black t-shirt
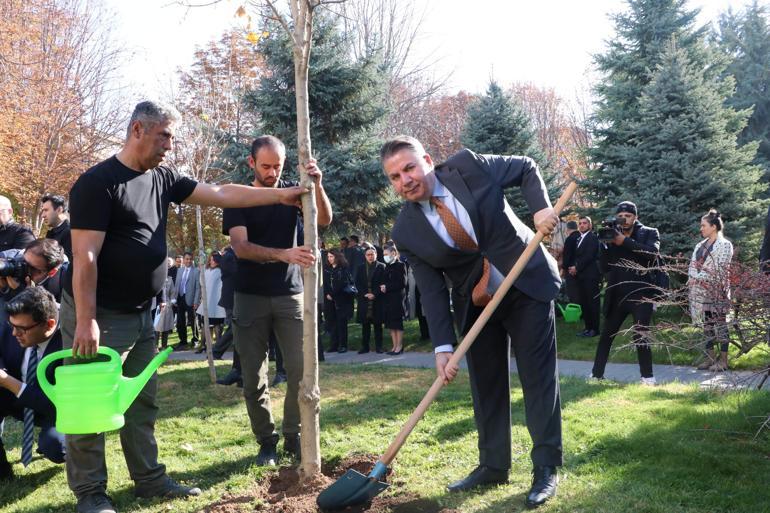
x: 268, y: 293
x: 119, y: 210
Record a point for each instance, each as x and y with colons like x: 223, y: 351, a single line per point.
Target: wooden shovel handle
x: 470, y: 337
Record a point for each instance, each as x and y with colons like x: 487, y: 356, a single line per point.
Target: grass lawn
x: 628, y: 448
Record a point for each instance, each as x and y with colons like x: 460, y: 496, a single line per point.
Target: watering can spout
x: 131, y: 387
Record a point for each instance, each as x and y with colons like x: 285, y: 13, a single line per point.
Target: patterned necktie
x: 464, y: 241
x: 28, y: 435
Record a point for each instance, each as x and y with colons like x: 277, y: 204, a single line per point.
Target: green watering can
x: 92, y: 397
x: 571, y: 312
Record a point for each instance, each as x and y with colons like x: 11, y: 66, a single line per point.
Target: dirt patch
x: 282, y: 492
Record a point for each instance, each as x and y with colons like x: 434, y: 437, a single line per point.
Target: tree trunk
x: 206, y: 335
x: 309, y: 392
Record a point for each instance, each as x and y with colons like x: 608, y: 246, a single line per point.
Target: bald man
x: 12, y: 234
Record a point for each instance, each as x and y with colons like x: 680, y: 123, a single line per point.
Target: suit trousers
x: 530, y: 325
x: 254, y: 319
x: 50, y: 443
x: 185, y: 316
x: 131, y: 335
x: 572, y: 289
x: 642, y: 314
x: 366, y: 334
x: 589, y: 289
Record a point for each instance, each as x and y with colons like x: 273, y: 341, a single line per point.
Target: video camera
x: 14, y: 267
x: 610, y: 228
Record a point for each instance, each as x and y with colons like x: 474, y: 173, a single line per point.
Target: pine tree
x: 497, y: 124
x: 745, y: 39
x: 632, y: 57
x: 347, y: 106
x: 682, y: 158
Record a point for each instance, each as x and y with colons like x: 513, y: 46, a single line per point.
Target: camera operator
x: 42, y: 263
x: 625, y: 243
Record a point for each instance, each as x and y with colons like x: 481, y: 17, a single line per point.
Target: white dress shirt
x: 459, y: 211
x: 40, y: 348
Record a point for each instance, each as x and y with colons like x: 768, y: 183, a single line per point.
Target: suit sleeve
x: 34, y: 398
x: 434, y: 297
x: 522, y: 172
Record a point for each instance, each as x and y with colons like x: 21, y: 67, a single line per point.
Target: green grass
x: 628, y: 448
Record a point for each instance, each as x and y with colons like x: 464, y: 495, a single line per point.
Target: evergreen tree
x: 497, y: 124
x: 745, y: 39
x: 347, y: 107
x: 682, y: 158
x: 632, y: 57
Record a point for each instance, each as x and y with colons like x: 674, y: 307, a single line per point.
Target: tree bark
x: 309, y: 392
x: 206, y: 335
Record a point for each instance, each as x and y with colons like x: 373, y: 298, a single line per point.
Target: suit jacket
x: 568, y: 256
x: 586, y: 260
x: 11, y: 358
x: 192, y: 289
x: 362, y: 284
x: 229, y: 267
x: 478, y: 182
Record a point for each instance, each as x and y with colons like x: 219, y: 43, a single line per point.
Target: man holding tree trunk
x: 269, y: 293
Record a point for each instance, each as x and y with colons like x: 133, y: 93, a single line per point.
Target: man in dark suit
x: 31, y: 333
x: 568, y: 260
x: 457, y: 224
x: 187, y: 285
x: 368, y: 279
x: 585, y: 271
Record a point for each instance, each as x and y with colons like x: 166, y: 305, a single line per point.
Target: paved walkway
x: 620, y: 372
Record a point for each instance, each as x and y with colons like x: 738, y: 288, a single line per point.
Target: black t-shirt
x: 271, y: 226
x: 132, y: 209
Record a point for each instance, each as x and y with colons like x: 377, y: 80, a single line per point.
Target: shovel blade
x: 350, y: 489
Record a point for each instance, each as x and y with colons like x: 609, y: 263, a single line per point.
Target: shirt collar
x: 439, y: 191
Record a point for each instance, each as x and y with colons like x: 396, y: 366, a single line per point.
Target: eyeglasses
x: 22, y: 330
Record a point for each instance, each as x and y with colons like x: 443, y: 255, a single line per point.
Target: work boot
x: 167, y: 489
x: 230, y: 378
x: 95, y: 503
x: 267, y: 455
x: 292, y: 445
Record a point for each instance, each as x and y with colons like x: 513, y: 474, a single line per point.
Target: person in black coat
x: 369, y: 277
x: 628, y: 289
x: 585, y: 272
x: 568, y: 260
x: 33, y: 326
x: 338, y: 299
x: 393, y: 293
x: 12, y: 234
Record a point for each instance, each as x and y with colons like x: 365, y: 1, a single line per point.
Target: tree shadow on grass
x: 194, y: 387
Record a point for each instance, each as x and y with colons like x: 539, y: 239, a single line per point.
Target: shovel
x: 354, y: 488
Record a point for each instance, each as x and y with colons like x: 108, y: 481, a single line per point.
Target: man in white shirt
x: 31, y: 333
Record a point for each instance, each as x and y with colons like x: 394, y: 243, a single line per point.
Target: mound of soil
x: 283, y: 493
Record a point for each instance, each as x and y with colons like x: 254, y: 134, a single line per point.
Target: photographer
x: 626, y: 244
x: 42, y: 263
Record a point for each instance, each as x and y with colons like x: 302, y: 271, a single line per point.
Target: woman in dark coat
x: 369, y: 277
x: 338, y: 302
x: 393, y: 293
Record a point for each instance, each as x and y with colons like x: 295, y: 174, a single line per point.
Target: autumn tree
x: 57, y: 118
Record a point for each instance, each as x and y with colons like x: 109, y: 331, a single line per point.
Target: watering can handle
x: 47, y: 360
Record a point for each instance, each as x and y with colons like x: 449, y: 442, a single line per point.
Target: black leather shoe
x: 592, y: 333
x: 363, y: 351
x: 481, y: 475
x: 544, y: 483
x: 267, y: 455
x: 278, y: 379
x: 583, y: 333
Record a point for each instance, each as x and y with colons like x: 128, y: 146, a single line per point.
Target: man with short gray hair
x: 118, y: 216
